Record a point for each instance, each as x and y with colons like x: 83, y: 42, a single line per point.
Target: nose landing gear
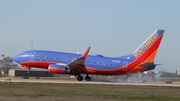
x: 29, y: 71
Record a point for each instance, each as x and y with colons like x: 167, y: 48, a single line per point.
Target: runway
x: 175, y: 84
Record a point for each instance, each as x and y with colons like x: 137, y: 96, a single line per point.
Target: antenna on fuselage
x: 31, y: 45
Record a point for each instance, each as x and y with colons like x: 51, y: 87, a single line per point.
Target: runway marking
x: 175, y: 84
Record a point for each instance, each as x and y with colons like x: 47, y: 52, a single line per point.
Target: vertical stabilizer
x: 147, y: 51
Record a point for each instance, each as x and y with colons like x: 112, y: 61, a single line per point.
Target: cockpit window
x: 22, y: 54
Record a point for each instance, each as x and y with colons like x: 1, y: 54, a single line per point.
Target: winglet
x: 84, y: 56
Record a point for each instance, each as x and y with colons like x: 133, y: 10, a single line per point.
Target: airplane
x: 142, y: 59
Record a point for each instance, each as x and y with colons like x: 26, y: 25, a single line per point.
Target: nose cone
x: 15, y: 58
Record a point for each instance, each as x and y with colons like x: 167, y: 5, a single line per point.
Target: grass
x: 85, y: 92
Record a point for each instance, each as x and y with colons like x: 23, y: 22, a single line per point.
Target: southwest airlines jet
x: 142, y: 59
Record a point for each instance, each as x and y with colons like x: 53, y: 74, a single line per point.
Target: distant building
x: 34, y: 73
x: 151, y: 72
x: 178, y: 71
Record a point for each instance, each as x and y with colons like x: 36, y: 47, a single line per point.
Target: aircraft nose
x: 15, y: 58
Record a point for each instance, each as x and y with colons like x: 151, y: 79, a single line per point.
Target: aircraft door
x: 32, y: 56
x: 125, y: 66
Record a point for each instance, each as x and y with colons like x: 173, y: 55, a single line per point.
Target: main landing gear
x: 80, y: 78
x: 88, y: 78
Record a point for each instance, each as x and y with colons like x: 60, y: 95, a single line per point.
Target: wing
x: 79, y: 63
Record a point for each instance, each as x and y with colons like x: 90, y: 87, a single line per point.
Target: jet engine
x: 61, y: 69
x: 57, y: 69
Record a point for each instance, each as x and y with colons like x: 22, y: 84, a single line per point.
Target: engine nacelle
x: 57, y: 69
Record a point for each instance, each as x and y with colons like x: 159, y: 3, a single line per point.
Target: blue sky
x: 110, y: 27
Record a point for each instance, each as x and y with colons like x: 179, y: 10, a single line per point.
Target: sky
x: 111, y: 27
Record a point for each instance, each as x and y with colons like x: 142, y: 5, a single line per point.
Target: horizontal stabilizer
x: 146, y: 64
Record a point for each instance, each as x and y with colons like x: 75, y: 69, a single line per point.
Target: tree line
x: 7, y: 63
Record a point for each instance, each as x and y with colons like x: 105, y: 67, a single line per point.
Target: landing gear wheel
x: 79, y: 78
x: 29, y: 72
x: 88, y: 78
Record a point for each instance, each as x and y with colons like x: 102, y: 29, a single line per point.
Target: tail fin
x: 147, y: 51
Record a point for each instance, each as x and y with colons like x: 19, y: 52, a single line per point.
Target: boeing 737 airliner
x: 142, y: 59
